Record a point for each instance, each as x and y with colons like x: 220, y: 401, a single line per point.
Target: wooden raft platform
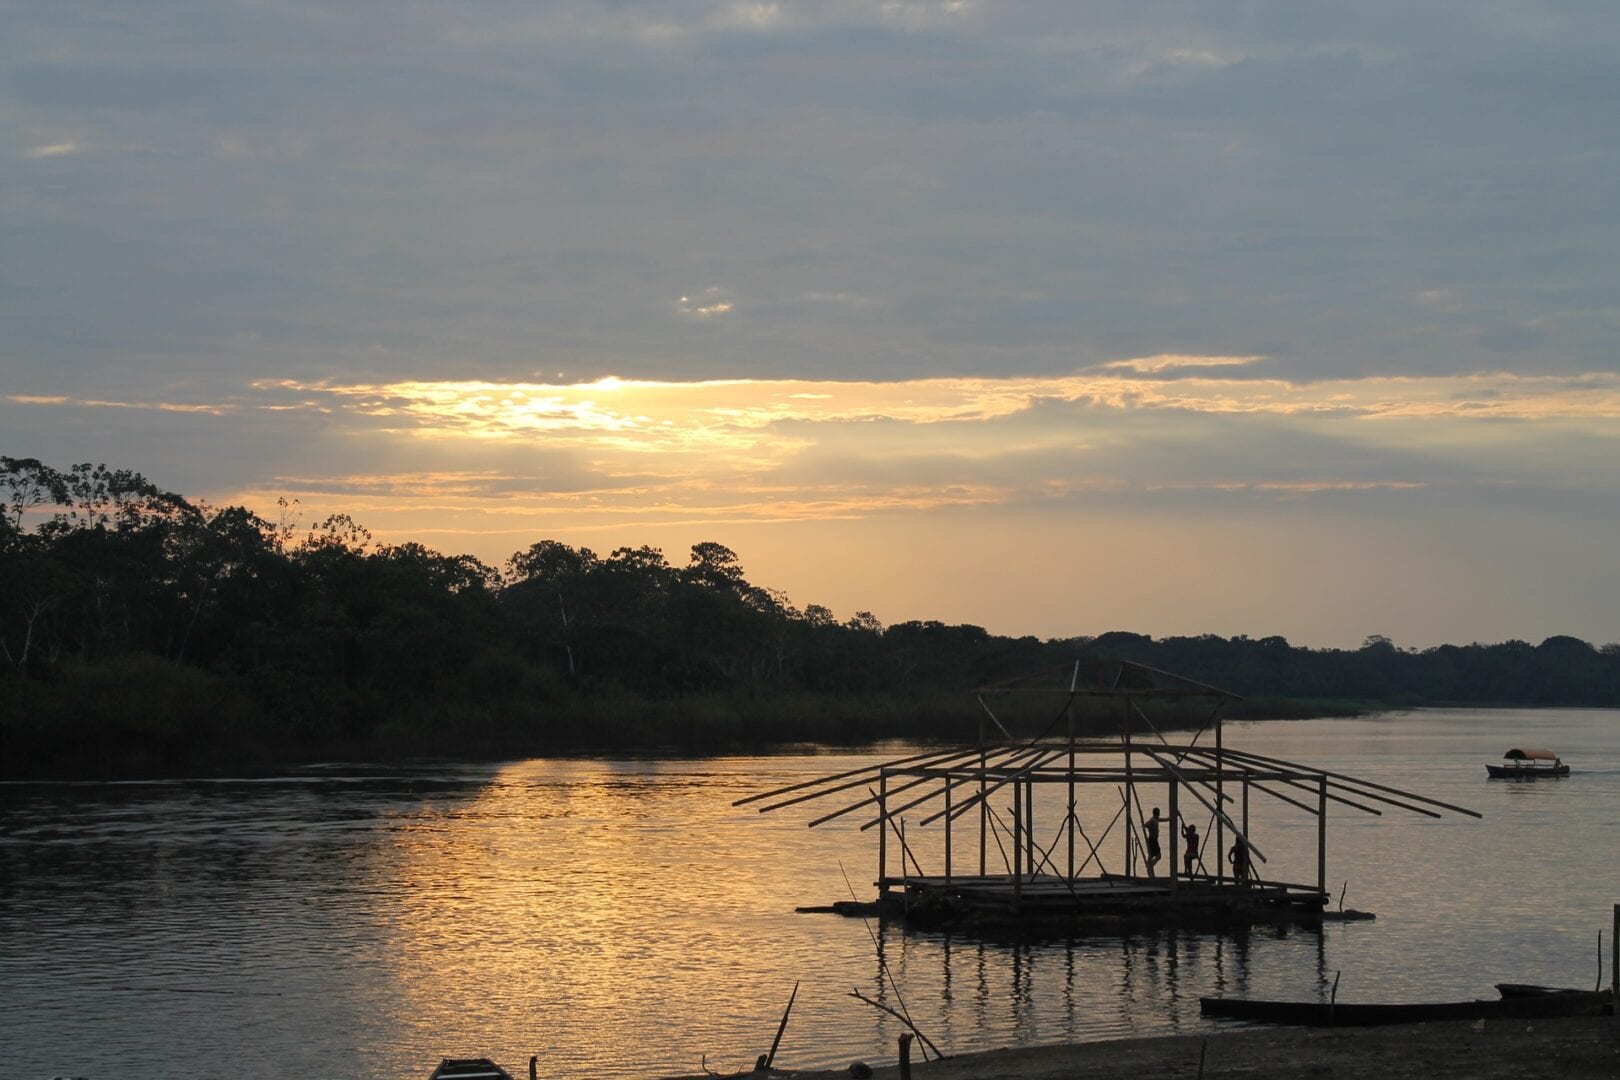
x: 933, y: 900
x: 1038, y: 809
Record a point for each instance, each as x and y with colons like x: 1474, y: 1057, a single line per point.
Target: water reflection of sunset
x: 567, y: 895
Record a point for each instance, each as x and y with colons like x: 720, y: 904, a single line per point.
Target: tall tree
x: 562, y: 572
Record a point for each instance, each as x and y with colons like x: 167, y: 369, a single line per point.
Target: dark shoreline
x: 1585, y: 1048
x: 131, y: 758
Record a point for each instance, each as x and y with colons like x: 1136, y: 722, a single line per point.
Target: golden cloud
x: 614, y: 452
x: 60, y: 400
x: 1170, y: 361
x: 703, y: 416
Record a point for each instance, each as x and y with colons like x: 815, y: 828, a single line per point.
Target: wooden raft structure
x: 1015, y: 874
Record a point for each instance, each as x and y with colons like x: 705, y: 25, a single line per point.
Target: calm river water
x: 621, y: 918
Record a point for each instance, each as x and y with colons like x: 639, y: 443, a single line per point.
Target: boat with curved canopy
x: 1518, y: 764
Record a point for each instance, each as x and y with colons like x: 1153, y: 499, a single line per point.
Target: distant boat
x: 1527, y: 764
x: 1517, y: 1002
x: 469, y: 1069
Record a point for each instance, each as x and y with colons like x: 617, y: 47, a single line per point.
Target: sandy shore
x: 1571, y: 1049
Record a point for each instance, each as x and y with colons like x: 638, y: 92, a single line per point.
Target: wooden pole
x: 1070, y: 821
x: 1036, y: 757
x: 905, y: 1055
x: 883, y: 834
x: 1614, y: 966
x: 1220, y: 800
x: 1026, y: 754
x: 1252, y: 762
x: 1018, y: 848
x: 1029, y: 826
x: 945, y: 762
x: 1175, y: 833
x: 1132, y: 842
x: 947, y: 829
x: 984, y: 801
x: 1362, y: 785
x: 863, y: 778
x: 1321, y: 837
x: 1130, y: 783
x: 771, y: 1057
x: 1245, y: 806
x: 928, y: 1044
x: 1248, y: 861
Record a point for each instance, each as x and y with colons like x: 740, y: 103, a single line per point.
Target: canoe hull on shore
x: 1357, y: 1014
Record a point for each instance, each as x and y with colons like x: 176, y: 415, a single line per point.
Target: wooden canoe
x: 1361, y: 1014
x: 469, y: 1069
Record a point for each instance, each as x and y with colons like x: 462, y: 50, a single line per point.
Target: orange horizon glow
x: 1184, y: 472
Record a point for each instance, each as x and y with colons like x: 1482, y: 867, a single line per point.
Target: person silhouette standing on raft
x: 1239, y: 855
x: 1151, y: 828
x: 1189, y: 833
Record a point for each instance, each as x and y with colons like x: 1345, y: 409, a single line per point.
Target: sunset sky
x: 1234, y: 318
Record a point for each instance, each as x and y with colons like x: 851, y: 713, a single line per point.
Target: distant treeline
x: 141, y: 631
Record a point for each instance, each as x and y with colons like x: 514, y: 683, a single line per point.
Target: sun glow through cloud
x: 612, y: 454
x: 634, y: 414
x: 666, y: 415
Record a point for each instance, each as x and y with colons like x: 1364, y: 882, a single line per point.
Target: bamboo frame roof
x: 1044, y: 760
x: 1092, y: 676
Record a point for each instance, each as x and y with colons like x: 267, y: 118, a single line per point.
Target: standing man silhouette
x: 1151, y: 828
x: 1189, y: 833
x: 1239, y: 855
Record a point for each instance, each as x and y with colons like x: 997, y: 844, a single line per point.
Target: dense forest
x: 141, y: 631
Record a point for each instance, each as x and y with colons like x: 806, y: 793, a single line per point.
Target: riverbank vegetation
x: 144, y: 632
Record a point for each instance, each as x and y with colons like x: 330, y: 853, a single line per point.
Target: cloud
x: 102, y: 403
x: 664, y: 416
x: 61, y: 149
x: 629, y: 451
x: 713, y: 302
x: 905, y: 188
x: 1148, y: 365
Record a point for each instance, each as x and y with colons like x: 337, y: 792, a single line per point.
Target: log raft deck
x: 1017, y: 875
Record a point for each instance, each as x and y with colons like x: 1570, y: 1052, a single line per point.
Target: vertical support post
x: 1248, y: 856
x: 947, y: 827
x: 1321, y: 835
x: 1614, y: 965
x: 883, y: 833
x: 1220, y: 803
x: 984, y: 804
x: 905, y: 850
x: 1029, y: 826
x: 1175, y: 833
x: 1125, y: 808
x: 1130, y: 788
x: 1071, y: 820
x: 1245, y: 805
x: 1018, y: 847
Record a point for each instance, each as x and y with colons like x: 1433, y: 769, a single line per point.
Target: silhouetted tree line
x: 141, y: 630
